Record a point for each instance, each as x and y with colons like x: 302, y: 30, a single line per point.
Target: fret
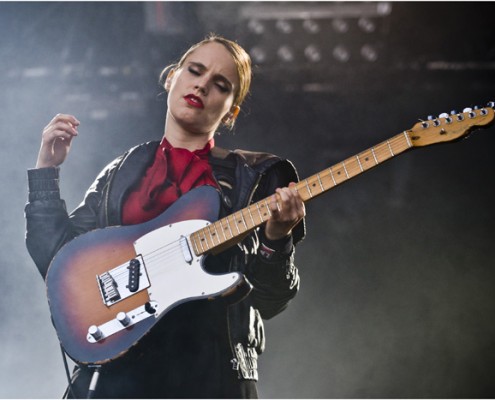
x: 359, y: 162
x: 390, y: 148
x: 235, y: 223
x: 345, y: 170
x: 408, y: 140
x: 309, y: 189
x: 320, y: 182
x: 230, y: 229
x: 222, y: 230
x: 242, y: 219
x: 211, y: 234
x: 216, y: 232
x: 259, y: 212
x: 201, y: 240
x: 269, y: 212
x: 193, y: 238
x: 374, y: 156
x: 333, y: 178
x: 205, y: 231
x: 251, y: 216
x: 367, y: 159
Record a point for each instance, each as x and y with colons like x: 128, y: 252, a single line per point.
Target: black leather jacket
x: 243, y: 177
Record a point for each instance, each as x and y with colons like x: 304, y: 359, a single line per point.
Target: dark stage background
x: 397, y: 296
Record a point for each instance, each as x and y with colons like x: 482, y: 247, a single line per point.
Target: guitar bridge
x: 123, y: 281
x: 108, y: 288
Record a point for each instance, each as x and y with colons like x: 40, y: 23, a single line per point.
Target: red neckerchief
x: 174, y: 172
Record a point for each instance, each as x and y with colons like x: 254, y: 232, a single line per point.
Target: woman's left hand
x: 287, y: 210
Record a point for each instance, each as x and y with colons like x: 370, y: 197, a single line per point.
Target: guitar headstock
x: 447, y: 128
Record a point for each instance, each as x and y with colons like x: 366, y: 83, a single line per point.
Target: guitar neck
x: 229, y: 230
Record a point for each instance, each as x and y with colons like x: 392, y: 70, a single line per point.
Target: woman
x: 204, y: 349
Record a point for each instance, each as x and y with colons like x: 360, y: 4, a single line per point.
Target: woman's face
x: 201, y: 91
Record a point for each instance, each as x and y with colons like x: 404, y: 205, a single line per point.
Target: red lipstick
x: 194, y: 101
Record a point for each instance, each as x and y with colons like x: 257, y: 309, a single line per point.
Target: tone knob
x: 123, y: 318
x: 95, y: 332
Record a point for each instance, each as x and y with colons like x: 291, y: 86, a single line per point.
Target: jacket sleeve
x: 48, y: 224
x: 271, y: 270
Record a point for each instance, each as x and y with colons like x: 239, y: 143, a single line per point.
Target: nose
x: 202, y: 86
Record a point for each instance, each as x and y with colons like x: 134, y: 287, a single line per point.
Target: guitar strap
x: 223, y: 163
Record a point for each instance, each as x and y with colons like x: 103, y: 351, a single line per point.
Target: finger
x: 66, y: 118
x: 59, y: 129
x: 274, y: 206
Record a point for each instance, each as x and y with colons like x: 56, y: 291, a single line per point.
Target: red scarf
x: 174, y: 172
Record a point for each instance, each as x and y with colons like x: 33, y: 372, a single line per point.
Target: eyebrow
x: 202, y: 67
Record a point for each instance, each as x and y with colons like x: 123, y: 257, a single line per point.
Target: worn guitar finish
x: 109, y: 287
x: 75, y: 295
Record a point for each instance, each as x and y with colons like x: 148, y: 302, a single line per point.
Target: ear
x: 168, y: 81
x: 231, y: 116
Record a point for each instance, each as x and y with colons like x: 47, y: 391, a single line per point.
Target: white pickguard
x: 173, y: 279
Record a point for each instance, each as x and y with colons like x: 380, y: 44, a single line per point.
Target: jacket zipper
x: 235, y: 362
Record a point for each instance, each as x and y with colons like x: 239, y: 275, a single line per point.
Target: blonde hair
x: 241, y: 60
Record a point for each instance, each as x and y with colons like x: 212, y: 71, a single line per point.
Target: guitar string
x: 350, y: 168
x: 121, y: 270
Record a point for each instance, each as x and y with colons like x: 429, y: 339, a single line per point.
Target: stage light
x: 369, y: 53
x: 327, y: 36
x: 340, y: 25
x: 256, y: 27
x: 341, y: 53
x: 108, y: 71
x: 311, y: 26
x: 284, y: 26
x: 36, y: 72
x: 286, y: 54
x: 313, y: 53
x: 367, y: 25
x: 258, y: 55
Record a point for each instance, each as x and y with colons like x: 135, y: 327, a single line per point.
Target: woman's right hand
x: 56, y: 140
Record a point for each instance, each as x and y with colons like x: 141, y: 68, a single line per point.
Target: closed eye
x: 222, y: 83
x: 222, y: 87
x: 193, y: 71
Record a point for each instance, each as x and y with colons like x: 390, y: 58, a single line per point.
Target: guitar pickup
x: 134, y: 274
x: 123, y: 281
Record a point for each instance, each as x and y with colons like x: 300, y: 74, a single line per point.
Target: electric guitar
x: 108, y: 288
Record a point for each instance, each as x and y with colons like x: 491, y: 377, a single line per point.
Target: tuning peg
x: 476, y: 108
x: 467, y: 110
x: 453, y: 112
x: 430, y: 117
x: 443, y: 115
x: 491, y: 104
